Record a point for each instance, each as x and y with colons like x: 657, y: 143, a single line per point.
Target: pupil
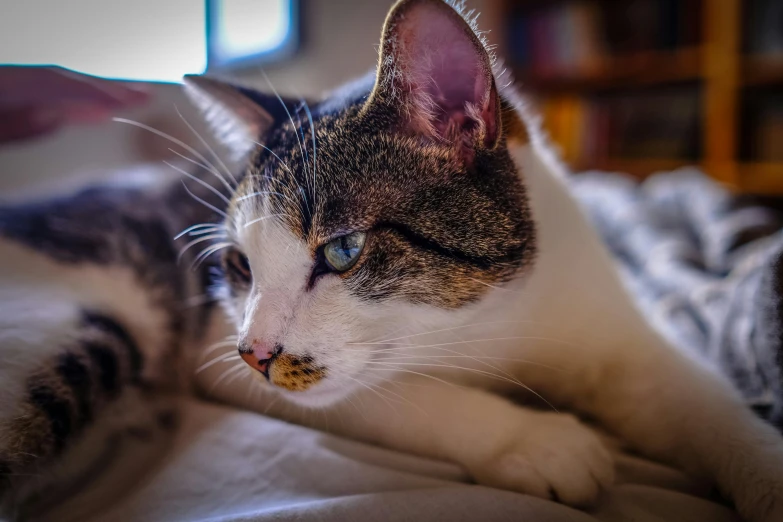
x: 244, y: 263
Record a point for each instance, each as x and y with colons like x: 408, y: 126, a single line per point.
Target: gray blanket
x: 705, y: 266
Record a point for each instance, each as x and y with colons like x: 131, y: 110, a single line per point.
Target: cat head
x: 390, y: 207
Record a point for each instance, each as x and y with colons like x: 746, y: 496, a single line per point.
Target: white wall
x: 340, y: 42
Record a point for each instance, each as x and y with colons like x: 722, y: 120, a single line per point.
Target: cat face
x: 389, y: 208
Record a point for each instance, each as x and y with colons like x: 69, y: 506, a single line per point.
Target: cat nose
x: 259, y: 354
x: 259, y: 349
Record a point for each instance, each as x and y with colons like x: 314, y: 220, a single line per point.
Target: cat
x: 401, y: 256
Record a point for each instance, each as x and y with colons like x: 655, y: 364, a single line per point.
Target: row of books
x: 576, y: 37
x: 663, y: 123
x: 764, y: 127
x: 763, y: 28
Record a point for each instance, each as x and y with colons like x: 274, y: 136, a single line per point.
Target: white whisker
x: 261, y: 219
x: 204, y: 142
x: 405, y: 370
x: 197, y: 227
x: 425, y: 412
x: 206, y: 253
x: 207, y: 231
x: 271, y: 403
x: 229, y: 341
x: 209, y: 237
x: 266, y: 193
x: 312, y: 132
x: 474, y: 370
x: 300, y: 128
x: 176, y: 141
x: 516, y: 338
x: 211, y: 207
x: 223, y: 376
x: 200, y: 182
x: 290, y: 118
x: 373, y: 390
x: 491, y: 286
x: 237, y: 375
x: 208, y: 168
x: 384, y: 341
x: 359, y: 410
x: 477, y: 358
x: 283, y: 163
x: 220, y: 358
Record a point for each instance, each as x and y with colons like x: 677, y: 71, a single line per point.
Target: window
x: 242, y: 31
x: 148, y: 40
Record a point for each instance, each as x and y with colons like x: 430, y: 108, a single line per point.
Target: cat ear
x: 234, y: 113
x: 436, y: 69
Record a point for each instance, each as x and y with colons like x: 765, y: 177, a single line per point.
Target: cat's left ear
x: 238, y: 116
x: 436, y: 71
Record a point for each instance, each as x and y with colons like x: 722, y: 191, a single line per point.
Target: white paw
x: 764, y: 503
x: 557, y: 458
x: 760, y: 495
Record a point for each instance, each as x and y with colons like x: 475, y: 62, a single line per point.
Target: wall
x: 340, y: 42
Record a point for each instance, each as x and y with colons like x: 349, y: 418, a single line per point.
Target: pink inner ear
x: 446, y: 72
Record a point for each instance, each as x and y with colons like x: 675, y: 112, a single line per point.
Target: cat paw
x: 558, y: 458
x: 760, y: 499
x: 763, y: 504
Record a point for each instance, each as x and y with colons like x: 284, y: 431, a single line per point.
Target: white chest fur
x: 570, y: 332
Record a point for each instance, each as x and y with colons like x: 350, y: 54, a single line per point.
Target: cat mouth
x: 290, y: 372
x: 260, y: 365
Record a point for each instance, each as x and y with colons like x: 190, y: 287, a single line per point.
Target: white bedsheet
x: 231, y: 466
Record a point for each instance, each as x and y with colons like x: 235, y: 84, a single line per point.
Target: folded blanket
x: 706, y: 266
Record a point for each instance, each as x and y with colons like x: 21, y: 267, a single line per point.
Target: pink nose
x: 258, y: 356
x: 262, y: 350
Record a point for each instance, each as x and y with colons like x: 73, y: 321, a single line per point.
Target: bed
x: 706, y: 268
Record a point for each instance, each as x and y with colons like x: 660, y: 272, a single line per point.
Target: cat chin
x: 318, y: 397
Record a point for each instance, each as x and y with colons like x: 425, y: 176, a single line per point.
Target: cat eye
x: 237, y: 266
x: 342, y: 253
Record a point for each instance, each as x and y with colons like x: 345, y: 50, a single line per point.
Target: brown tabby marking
x: 295, y: 373
x: 439, y: 232
x: 65, y: 394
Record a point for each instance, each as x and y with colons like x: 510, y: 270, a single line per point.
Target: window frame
x: 286, y: 49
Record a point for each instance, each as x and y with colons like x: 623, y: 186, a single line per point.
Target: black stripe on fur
x: 105, y: 360
x: 57, y: 411
x: 109, y: 326
x: 76, y: 375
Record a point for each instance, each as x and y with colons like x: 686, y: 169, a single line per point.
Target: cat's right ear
x: 234, y: 113
x: 436, y: 73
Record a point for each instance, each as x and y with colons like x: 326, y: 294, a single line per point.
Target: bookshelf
x: 641, y: 86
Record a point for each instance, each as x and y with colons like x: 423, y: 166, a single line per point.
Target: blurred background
x: 640, y: 86
x: 636, y: 86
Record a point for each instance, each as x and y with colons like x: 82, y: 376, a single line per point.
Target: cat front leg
x: 672, y: 409
x: 624, y: 374
x: 545, y: 454
x: 83, y: 350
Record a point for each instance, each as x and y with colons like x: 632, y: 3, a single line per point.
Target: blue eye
x: 343, y: 252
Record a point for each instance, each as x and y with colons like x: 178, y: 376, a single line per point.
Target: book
x: 764, y: 126
x: 573, y: 39
x: 764, y: 27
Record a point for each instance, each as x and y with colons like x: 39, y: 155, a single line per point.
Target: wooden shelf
x: 761, y: 178
x: 762, y: 70
x: 724, y: 75
x: 639, y: 168
x: 636, y: 70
